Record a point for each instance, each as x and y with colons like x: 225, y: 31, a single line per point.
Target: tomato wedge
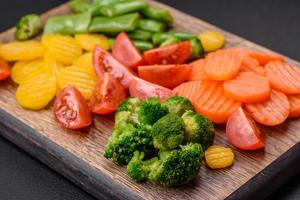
x: 103, y: 62
x: 242, y: 131
x: 125, y: 51
x: 144, y: 89
x: 107, y: 95
x: 71, y: 109
x: 168, y: 76
x: 173, y: 54
x: 4, y: 69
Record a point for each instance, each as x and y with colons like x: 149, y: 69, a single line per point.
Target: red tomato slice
x: 4, y: 69
x: 107, y: 95
x: 103, y: 62
x: 71, y: 109
x: 168, y: 76
x: 144, y: 89
x: 242, y: 131
x: 173, y: 54
x: 125, y: 51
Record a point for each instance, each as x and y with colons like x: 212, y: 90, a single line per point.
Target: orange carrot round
x: 198, y: 72
x: 294, y: 100
x: 264, y: 58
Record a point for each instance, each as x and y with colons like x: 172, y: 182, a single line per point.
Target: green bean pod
x: 79, y: 6
x: 111, y: 42
x: 143, y: 45
x: 159, y: 14
x: 158, y: 38
x: 151, y: 25
x: 170, y: 41
x: 68, y: 24
x: 197, y: 49
x: 123, y: 7
x: 121, y: 23
x: 140, y: 35
x: 28, y: 27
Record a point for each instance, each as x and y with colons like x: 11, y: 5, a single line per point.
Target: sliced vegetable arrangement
x: 116, y: 56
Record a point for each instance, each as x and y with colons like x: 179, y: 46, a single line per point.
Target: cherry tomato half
x: 4, y: 69
x: 71, y: 109
x: 242, y: 131
x: 107, y: 95
x: 125, y: 51
x: 173, y: 54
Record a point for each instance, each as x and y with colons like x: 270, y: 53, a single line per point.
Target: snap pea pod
x: 68, y: 24
x: 121, y: 23
x: 197, y: 48
x: 158, y: 38
x: 140, y: 35
x: 170, y: 41
x: 28, y: 27
x: 124, y: 7
x: 157, y: 14
x: 151, y: 25
x: 79, y: 6
x: 139, y: 44
x: 98, y: 4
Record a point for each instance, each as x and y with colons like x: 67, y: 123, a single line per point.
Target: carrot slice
x: 294, y: 100
x: 252, y: 65
x: 264, y: 58
x: 188, y: 89
x: 223, y: 64
x: 283, y: 77
x: 198, y: 72
x: 248, y: 87
x: 271, y: 112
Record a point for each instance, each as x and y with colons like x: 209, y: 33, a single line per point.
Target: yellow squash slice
x: 218, y: 157
x: 85, y: 61
x: 89, y: 41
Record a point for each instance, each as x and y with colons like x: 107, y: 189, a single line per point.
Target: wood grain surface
x: 84, y: 149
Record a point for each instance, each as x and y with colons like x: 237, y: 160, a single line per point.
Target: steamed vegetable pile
x: 159, y: 142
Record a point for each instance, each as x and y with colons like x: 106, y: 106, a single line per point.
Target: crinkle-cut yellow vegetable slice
x: 36, y: 93
x: 62, y: 48
x: 85, y: 61
x: 78, y: 77
x: 53, y: 65
x: 25, y: 50
x: 218, y: 157
x: 89, y: 41
x: 24, y: 71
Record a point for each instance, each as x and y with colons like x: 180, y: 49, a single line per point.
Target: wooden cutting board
x: 78, y: 155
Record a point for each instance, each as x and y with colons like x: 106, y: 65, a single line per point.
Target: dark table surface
x: 274, y: 24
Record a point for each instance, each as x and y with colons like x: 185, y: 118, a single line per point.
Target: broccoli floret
x: 168, y: 132
x: 198, y: 129
x: 150, y: 110
x: 178, y: 105
x: 173, y: 168
x: 128, y: 139
x: 130, y: 104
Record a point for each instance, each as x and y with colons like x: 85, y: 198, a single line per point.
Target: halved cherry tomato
x: 242, y: 131
x: 71, y: 109
x: 173, y: 54
x: 144, y: 89
x: 107, y: 95
x: 168, y: 76
x: 4, y: 69
x: 125, y: 51
x: 103, y: 62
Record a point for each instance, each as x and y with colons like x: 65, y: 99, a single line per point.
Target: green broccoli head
x: 178, y: 105
x: 150, y: 110
x: 132, y: 138
x: 168, y: 132
x: 130, y: 104
x: 198, y: 129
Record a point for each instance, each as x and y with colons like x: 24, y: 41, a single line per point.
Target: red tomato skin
x: 242, y: 131
x: 107, y: 96
x: 103, y: 62
x: 144, y: 89
x: 71, y: 110
x: 168, y: 76
x: 125, y: 51
x: 4, y: 69
x: 173, y: 54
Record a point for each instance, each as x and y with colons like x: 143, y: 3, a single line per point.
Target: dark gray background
x: 274, y: 24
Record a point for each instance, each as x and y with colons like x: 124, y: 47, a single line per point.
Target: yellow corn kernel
x: 218, y: 157
x: 62, y: 48
x: 212, y: 41
x: 78, y: 77
x: 25, y: 50
x: 24, y: 71
x: 89, y: 41
x: 85, y: 61
x: 36, y: 93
